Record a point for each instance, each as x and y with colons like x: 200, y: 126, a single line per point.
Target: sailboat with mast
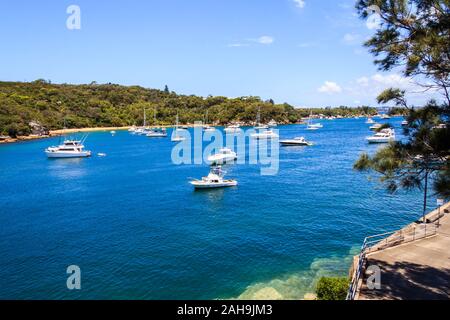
x: 142, y: 130
x: 206, y: 127
x: 176, y: 137
x: 156, y: 132
x: 258, y: 125
x: 311, y: 125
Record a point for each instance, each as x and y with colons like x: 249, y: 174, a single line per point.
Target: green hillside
x: 102, y: 105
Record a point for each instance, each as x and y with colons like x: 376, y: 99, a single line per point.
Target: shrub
x: 332, y: 288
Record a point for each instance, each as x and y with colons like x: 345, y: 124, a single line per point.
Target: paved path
x: 415, y: 270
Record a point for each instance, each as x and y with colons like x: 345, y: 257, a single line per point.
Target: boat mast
x: 145, y: 119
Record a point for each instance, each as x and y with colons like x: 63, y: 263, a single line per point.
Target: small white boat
x: 385, y: 116
x: 272, y: 123
x: 132, y: 129
x: 370, y: 121
x: 313, y: 126
x: 376, y: 126
x: 208, y: 129
x: 223, y: 156
x: 113, y: 133
x: 157, y: 133
x: 233, y: 129
x: 69, y: 149
x: 265, y: 135
x: 404, y: 123
x: 384, y: 136
x: 299, y: 141
x: 176, y: 137
x: 258, y: 125
x: 100, y: 154
x: 215, y: 179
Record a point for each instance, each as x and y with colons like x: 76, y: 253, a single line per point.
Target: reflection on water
x: 67, y: 168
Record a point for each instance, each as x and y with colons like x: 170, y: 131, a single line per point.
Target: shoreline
x: 55, y: 133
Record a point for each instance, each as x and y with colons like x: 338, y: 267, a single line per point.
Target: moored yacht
x: 265, y: 135
x: 272, y: 123
x: 215, y: 179
x: 176, y: 137
x: 69, y: 149
x: 370, y: 121
x: 223, y: 156
x: 313, y: 126
x: 299, y: 141
x: 233, y: 128
x: 384, y: 136
x: 157, y: 133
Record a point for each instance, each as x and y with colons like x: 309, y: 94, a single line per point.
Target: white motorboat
x: 113, y: 133
x: 370, y: 121
x: 233, y: 129
x: 315, y: 126
x: 69, y: 149
x: 299, y: 141
x: 157, y: 133
x: 215, y: 179
x: 272, y: 123
x: 176, y: 137
x: 405, y: 123
x: 132, y: 129
x: 385, y: 116
x: 384, y: 136
x: 265, y: 134
x: 223, y: 156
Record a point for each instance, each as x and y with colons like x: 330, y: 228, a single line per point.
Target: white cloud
x: 237, y: 45
x: 300, y: 3
x: 330, y: 87
x: 350, y: 38
x: 265, y: 40
x: 307, y: 45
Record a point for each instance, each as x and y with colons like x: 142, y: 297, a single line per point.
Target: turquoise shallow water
x: 139, y: 231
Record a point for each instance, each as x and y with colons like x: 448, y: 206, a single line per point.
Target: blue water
x: 138, y: 230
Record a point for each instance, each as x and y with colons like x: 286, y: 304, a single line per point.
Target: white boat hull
x: 379, y: 140
x: 83, y: 154
x: 209, y: 185
x: 294, y: 143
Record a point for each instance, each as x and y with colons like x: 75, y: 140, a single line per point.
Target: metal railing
x: 383, y: 241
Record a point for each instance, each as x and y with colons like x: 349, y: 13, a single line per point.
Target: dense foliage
x: 96, y: 105
x: 332, y: 288
x: 414, y: 36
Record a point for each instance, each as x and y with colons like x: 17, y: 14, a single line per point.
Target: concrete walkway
x: 415, y: 270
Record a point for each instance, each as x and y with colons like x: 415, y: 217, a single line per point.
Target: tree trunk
x: 425, y: 196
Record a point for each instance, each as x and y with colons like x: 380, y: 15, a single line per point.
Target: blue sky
x: 307, y: 53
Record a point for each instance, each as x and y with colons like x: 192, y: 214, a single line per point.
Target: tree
x: 166, y: 89
x: 414, y: 36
